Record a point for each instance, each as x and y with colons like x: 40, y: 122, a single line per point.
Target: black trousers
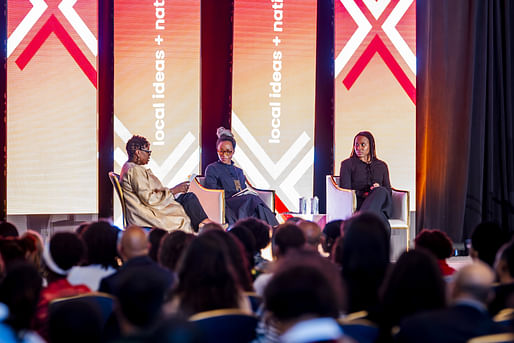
x: 378, y: 201
x: 193, y: 209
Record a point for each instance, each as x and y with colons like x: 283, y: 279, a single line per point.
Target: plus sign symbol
x: 379, y: 27
x: 47, y: 17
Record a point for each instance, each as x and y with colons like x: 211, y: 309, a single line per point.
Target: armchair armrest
x: 266, y: 195
x: 341, y: 203
x: 401, y: 209
x: 212, y: 200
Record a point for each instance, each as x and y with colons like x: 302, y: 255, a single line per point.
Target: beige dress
x: 148, y: 202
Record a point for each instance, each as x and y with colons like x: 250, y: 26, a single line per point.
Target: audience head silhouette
x: 133, y: 243
x: 365, y: 259
x: 8, y: 230
x: 473, y: 282
x: 312, y: 233
x: 206, y: 277
x: 486, y: 240
x: 287, y: 237
x: 100, y: 239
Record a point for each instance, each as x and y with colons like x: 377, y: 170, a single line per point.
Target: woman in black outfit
x: 368, y: 176
x: 223, y: 174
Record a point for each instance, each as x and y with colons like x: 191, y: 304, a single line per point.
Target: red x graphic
x: 53, y: 25
x: 377, y: 46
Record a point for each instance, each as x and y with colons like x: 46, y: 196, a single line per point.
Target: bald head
x: 473, y: 281
x: 312, y: 232
x: 133, y: 243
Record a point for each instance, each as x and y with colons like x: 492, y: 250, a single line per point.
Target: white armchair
x: 342, y: 203
x: 213, y: 200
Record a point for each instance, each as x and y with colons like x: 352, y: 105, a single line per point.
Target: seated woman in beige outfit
x: 148, y: 202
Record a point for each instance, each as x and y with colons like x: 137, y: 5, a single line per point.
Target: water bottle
x: 315, y: 205
x: 302, y: 208
x: 307, y: 206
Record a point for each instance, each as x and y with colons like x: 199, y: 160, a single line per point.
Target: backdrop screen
x: 157, y: 83
x: 273, y: 95
x: 51, y: 106
x: 375, y: 80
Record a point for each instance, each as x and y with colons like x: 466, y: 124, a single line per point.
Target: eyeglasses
x: 225, y: 152
x: 147, y: 151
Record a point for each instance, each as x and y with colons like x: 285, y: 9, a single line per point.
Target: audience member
x: 8, y: 230
x: 439, y: 244
x: 100, y: 239
x: 141, y: 293
x: 172, y: 247
x: 504, y: 291
x: 467, y: 316
x: 155, y: 237
x: 304, y: 298
x: 331, y: 232
x: 64, y: 251
x: 486, y: 239
x: 414, y: 284
x: 210, y: 226
x: 245, y: 236
x: 286, y: 238
x: 237, y: 258
x: 20, y: 291
x: 261, y: 232
x: 32, y: 242
x: 206, y: 279
x: 312, y: 233
x: 133, y: 249
x: 12, y: 250
x: 76, y: 322
x: 365, y: 260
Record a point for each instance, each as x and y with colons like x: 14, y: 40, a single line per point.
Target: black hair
x: 244, y: 235
x: 8, y: 230
x: 101, y: 243
x: 20, y: 292
x: 304, y: 284
x: 135, y: 143
x: 66, y: 249
x: 487, y: 238
x: 141, y: 295
x: 237, y: 257
x: 365, y: 259
x: 260, y: 230
x: 287, y: 237
x: 155, y: 238
x: 11, y: 250
x: 206, y: 277
x: 414, y: 284
x: 331, y: 231
x: 371, y: 139
x: 172, y: 247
